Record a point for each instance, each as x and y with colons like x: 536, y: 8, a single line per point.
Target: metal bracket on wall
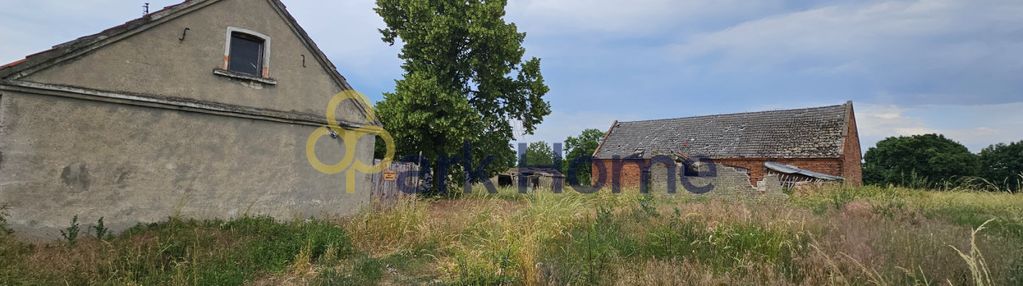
x: 183, y: 34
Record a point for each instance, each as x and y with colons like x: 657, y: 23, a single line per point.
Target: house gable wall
x: 156, y: 62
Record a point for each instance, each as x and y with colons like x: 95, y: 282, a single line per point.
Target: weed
x: 303, y: 261
x: 722, y: 247
x: 888, y: 204
x: 588, y: 254
x: 647, y: 206
x: 3, y: 221
x: 497, y: 269
x: 841, y: 197
x: 70, y: 233
x: 101, y: 231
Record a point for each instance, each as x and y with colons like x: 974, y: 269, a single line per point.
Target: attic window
x: 246, y: 56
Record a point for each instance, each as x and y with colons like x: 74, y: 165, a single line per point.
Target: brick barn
x: 819, y: 143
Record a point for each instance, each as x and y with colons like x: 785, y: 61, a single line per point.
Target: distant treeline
x: 933, y: 161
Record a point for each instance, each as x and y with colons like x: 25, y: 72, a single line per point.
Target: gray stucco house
x: 199, y: 110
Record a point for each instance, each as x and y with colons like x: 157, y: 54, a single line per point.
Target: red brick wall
x: 630, y: 171
x: 851, y: 156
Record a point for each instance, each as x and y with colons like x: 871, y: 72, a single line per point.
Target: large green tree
x: 465, y: 80
x: 918, y: 161
x: 539, y: 153
x: 1002, y: 165
x: 581, y: 146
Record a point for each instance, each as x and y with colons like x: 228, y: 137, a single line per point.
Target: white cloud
x: 975, y: 126
x: 920, y: 52
x: 887, y: 120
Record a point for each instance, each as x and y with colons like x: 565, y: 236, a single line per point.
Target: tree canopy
x: 581, y: 146
x: 1002, y: 165
x: 539, y: 153
x: 465, y: 80
x: 918, y: 161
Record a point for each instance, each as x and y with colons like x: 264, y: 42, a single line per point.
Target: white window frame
x: 266, y: 48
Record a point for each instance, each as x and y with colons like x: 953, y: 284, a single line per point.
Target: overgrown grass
x: 833, y: 235
x: 964, y: 208
x: 179, y: 252
x: 830, y: 235
x: 964, y: 183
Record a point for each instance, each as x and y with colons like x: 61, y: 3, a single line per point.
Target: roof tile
x: 797, y: 133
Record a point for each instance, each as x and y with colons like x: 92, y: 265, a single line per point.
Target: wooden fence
x: 400, y: 179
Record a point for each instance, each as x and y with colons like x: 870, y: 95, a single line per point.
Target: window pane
x: 246, y: 54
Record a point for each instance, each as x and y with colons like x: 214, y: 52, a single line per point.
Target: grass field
x: 836, y: 235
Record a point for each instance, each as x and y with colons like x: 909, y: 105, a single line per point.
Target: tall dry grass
x: 837, y: 235
x: 975, y: 259
x: 834, y: 235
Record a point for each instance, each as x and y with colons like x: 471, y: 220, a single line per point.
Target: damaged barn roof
x: 817, y: 132
x: 793, y: 170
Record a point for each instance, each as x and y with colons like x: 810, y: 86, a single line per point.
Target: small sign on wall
x: 390, y: 175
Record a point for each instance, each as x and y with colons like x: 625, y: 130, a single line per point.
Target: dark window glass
x: 246, y: 54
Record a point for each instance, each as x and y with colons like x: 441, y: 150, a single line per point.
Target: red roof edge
x: 14, y: 63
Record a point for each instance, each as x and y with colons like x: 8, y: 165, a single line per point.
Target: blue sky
x: 911, y: 67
